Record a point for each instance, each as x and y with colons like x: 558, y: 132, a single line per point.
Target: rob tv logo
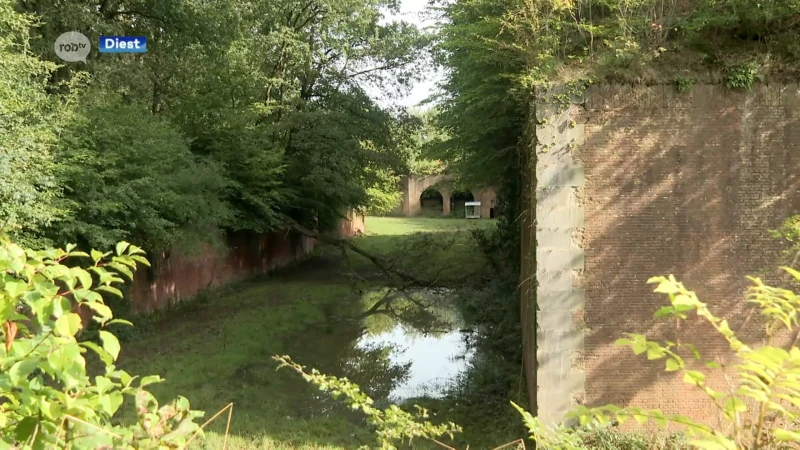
x: 123, y: 44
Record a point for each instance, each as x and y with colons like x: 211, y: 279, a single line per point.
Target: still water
x: 434, y: 361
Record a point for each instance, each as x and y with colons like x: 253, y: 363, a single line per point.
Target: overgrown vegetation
x: 482, y: 114
x: 760, y: 410
x: 733, y: 41
x: 253, y: 116
x: 322, y: 314
x: 48, y: 398
x: 237, y: 116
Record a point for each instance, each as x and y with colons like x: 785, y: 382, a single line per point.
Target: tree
x: 120, y: 186
x: 270, y: 95
x: 422, y: 158
x: 482, y: 110
x: 28, y: 129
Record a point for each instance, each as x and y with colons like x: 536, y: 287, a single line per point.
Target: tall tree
x: 269, y: 95
x: 28, y: 130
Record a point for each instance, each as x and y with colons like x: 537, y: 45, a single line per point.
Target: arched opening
x: 457, y: 201
x: 431, y: 201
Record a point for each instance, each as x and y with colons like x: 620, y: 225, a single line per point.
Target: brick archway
x: 413, y: 187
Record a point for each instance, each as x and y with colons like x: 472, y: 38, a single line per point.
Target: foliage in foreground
x: 762, y: 408
x: 391, y: 424
x: 47, y: 398
x: 760, y: 411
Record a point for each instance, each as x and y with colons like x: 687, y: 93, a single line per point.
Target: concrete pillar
x: 414, y: 192
x: 445, y: 201
x: 559, y: 262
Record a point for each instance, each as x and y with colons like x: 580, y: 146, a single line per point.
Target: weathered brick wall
x: 675, y: 183
x: 244, y: 255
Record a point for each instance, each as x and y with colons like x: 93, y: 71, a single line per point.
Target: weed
x: 684, y: 83
x: 742, y: 77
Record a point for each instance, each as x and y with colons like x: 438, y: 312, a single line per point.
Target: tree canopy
x: 239, y: 115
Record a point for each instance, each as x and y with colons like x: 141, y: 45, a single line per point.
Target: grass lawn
x: 424, y: 247
x: 398, y: 226
x: 220, y: 352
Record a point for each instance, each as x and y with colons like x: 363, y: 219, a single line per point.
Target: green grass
x: 222, y: 354
x: 400, y: 226
x: 440, y: 248
x: 220, y: 350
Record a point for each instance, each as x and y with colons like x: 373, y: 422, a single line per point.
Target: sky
x: 412, y: 11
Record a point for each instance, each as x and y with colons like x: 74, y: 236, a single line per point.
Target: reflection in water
x: 433, y: 360
x: 393, y: 355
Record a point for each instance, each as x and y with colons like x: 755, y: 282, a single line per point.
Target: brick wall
x: 675, y: 183
x: 244, y: 255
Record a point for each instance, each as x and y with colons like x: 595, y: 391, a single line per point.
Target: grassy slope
x: 220, y: 353
x: 424, y: 247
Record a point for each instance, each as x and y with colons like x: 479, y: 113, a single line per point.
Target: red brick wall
x: 686, y: 184
x: 244, y: 255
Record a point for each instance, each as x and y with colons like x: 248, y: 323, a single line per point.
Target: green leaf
x: 134, y: 250
x: 684, y: 300
x: 145, y: 402
x: 792, y: 272
x: 15, y: 288
x: 655, y: 352
x: 103, y: 384
x: 787, y: 436
x: 693, y: 377
x: 666, y: 287
x: 121, y: 247
x: 733, y: 405
x: 96, y: 255
x: 103, y: 311
x: 673, y: 365
x: 68, y: 325
x: 121, y: 268
x: 25, y: 429
x: 20, y: 370
x: 150, y: 379
x: 110, y: 344
x: 115, y: 400
x: 84, y: 277
x: 119, y: 322
x: 141, y: 259
x: 665, y: 311
x: 100, y: 352
x: 110, y: 289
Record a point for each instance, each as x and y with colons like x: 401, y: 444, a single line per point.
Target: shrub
x: 608, y: 439
x: 47, y: 398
